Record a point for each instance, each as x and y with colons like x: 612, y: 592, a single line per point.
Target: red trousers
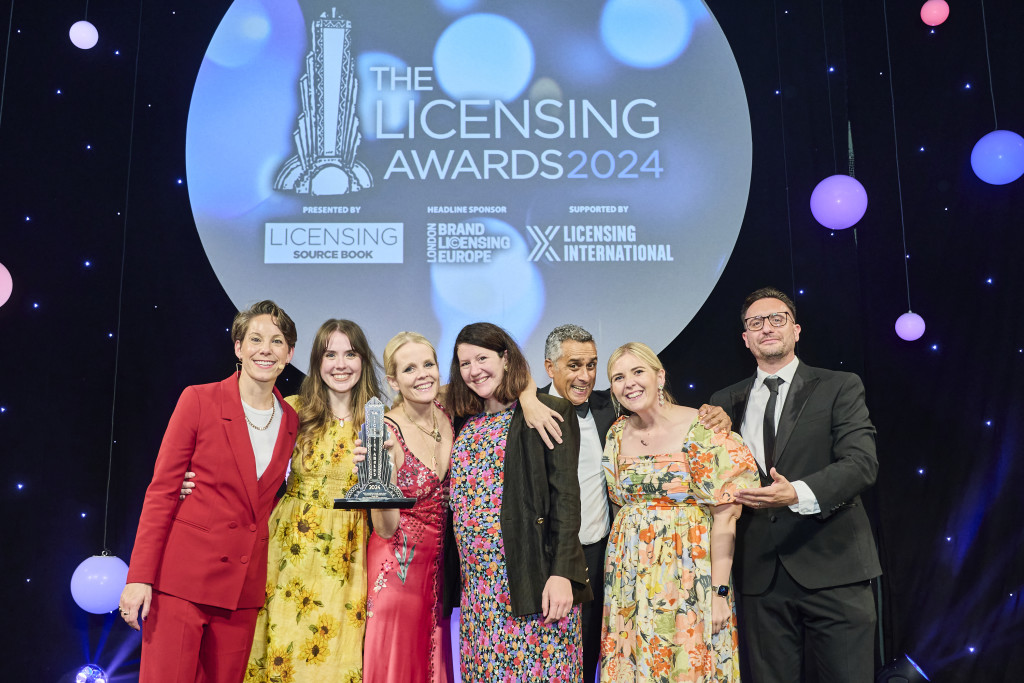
x: 184, y: 642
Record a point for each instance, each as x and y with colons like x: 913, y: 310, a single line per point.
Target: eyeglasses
x: 756, y: 322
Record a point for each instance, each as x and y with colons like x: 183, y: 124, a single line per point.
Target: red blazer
x: 211, y: 548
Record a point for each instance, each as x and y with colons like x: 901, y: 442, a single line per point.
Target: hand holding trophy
x: 374, y: 488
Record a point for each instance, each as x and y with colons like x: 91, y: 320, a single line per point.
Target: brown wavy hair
x: 314, y: 396
x: 461, y: 400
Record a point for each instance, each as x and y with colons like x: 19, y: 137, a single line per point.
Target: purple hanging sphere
x: 838, y: 202
x: 97, y: 583
x: 998, y: 158
x: 909, y: 326
x: 84, y: 35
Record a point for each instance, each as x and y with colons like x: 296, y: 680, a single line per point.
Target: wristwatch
x: 721, y: 590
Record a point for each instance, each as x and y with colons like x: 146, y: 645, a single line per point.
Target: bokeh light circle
x: 838, y: 202
x: 998, y: 158
x: 934, y: 12
x: 645, y: 33
x: 910, y: 326
x: 97, y: 583
x: 484, y: 56
x: 83, y: 35
x: 6, y: 284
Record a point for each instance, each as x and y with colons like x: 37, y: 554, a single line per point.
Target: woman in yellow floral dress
x: 311, y: 628
x: 668, y: 608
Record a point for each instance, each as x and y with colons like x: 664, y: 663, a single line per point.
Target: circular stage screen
x: 420, y: 166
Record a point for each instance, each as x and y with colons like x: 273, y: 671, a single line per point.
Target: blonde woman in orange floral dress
x: 311, y: 628
x: 669, y: 612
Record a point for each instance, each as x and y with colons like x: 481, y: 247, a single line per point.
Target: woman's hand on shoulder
x: 187, y: 485
x: 538, y: 416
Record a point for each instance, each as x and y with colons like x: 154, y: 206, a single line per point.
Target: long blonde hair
x: 314, y: 397
x: 645, y: 355
x: 397, y: 342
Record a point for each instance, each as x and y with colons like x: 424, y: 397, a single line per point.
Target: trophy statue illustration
x: 327, y: 136
x: 374, y: 488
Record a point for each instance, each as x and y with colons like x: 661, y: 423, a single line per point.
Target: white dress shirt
x: 594, y: 523
x: 752, y: 429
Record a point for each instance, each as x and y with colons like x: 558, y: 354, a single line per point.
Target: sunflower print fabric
x: 657, y: 608
x: 311, y: 627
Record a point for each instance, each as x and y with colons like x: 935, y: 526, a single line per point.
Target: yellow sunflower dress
x: 657, y: 585
x: 311, y: 627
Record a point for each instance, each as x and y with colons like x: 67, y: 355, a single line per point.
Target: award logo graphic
x: 328, y: 135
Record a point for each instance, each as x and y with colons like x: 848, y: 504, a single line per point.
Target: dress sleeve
x: 610, y: 461
x: 720, y: 465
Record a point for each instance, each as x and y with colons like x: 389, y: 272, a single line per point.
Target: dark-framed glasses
x: 756, y: 322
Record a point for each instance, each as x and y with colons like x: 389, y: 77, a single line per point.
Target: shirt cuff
x: 806, y: 503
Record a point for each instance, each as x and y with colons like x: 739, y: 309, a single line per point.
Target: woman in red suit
x: 198, y: 571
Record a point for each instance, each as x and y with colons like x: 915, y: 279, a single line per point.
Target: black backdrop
x: 90, y: 381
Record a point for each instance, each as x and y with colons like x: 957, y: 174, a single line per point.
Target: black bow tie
x: 583, y: 408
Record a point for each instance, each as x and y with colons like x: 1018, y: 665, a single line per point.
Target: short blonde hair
x: 397, y: 342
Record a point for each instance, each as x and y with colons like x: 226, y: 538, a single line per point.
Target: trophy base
x: 373, y: 503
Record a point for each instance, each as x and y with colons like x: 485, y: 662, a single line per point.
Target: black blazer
x: 826, y: 440
x: 600, y: 407
x: 540, y: 515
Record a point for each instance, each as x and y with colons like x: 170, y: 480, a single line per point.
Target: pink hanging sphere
x: 6, y: 284
x: 84, y: 35
x: 934, y: 12
x: 97, y: 583
x: 909, y: 326
x: 838, y: 202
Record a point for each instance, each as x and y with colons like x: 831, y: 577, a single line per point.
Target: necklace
x: 434, y: 434
x: 341, y: 420
x: 638, y: 434
x: 273, y: 411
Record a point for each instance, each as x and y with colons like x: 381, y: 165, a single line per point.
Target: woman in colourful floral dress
x: 405, y: 631
x: 516, y: 512
x: 311, y: 628
x: 669, y: 614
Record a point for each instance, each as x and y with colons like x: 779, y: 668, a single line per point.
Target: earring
x: 505, y: 366
x: 238, y: 368
x: 661, y: 394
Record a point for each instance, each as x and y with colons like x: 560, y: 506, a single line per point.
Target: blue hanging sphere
x: 998, y: 158
x: 97, y: 583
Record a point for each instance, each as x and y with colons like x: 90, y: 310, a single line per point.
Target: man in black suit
x: 805, y: 553
x: 570, y: 359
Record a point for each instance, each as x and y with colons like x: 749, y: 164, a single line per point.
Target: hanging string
x: 828, y: 84
x: 785, y: 158
x: 120, y: 290
x: 7, y: 52
x: 899, y: 185
x: 988, y: 60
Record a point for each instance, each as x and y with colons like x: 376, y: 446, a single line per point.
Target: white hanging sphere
x: 910, y: 326
x: 838, y: 202
x: 97, y: 583
x: 6, y: 284
x: 84, y: 35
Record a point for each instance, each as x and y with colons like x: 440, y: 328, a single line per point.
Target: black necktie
x: 772, y: 383
x: 582, y: 409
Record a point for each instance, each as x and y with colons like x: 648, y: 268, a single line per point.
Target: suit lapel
x: 796, y: 400
x: 737, y: 407
x: 283, y: 448
x: 238, y: 436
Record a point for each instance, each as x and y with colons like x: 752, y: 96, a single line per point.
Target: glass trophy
x: 374, y: 488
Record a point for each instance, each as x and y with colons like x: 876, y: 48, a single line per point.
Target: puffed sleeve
x: 610, y: 460
x: 720, y: 465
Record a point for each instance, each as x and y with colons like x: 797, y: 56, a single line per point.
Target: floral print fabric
x: 495, y: 645
x: 657, y: 611
x: 311, y: 626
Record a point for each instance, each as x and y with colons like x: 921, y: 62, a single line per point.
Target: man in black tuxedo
x: 570, y: 359
x: 805, y: 553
